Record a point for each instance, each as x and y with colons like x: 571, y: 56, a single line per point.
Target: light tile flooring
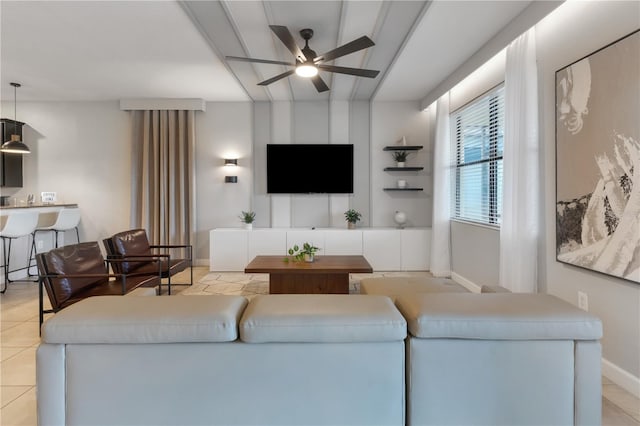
x: 19, y: 339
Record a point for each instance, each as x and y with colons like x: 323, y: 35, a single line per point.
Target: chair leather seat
x: 166, y: 269
x: 111, y: 287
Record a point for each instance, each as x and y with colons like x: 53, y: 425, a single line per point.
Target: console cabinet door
x: 267, y: 242
x: 228, y: 249
x: 381, y: 247
x: 343, y: 242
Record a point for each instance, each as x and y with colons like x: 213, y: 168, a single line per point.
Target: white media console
x: 386, y: 249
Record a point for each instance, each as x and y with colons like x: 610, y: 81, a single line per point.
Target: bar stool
x: 67, y: 220
x: 19, y: 224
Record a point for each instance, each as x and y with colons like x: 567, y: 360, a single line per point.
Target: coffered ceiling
x: 110, y: 50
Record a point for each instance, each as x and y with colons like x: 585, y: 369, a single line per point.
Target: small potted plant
x: 307, y: 253
x: 247, y: 219
x: 400, y: 157
x: 352, y: 216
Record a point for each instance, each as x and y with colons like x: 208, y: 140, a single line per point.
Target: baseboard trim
x: 620, y: 377
x: 468, y: 284
x: 201, y: 262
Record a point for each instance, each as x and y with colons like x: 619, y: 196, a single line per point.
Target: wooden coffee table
x: 326, y: 275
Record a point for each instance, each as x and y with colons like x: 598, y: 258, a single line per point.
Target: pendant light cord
x: 15, y: 108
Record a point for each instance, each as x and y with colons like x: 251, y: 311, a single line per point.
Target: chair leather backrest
x: 82, y: 258
x: 131, y: 243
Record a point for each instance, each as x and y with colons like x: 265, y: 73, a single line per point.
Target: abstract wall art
x: 598, y: 160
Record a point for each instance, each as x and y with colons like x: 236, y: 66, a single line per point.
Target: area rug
x: 250, y: 285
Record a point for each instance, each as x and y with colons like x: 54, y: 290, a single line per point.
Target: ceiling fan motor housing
x: 308, y: 53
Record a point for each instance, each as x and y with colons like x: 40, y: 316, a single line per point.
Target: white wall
x: 80, y: 150
x: 475, y: 254
x: 575, y: 30
x: 224, y: 130
x: 389, y: 122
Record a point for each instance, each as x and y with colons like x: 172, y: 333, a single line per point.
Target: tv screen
x: 309, y: 169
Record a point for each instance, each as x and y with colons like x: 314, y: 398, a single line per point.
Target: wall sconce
x: 231, y: 162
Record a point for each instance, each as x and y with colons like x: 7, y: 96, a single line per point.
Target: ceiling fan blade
x: 360, y: 72
x: 276, y: 78
x: 321, y: 86
x: 260, y: 61
x: 285, y: 37
x: 353, y: 46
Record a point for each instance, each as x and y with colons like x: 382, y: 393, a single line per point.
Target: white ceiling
x: 110, y: 50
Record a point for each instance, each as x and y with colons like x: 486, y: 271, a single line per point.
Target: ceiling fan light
x: 306, y: 70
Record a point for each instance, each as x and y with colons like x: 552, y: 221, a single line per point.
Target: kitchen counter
x: 47, y: 212
x: 35, y: 206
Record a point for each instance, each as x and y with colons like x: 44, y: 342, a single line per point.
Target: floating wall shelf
x: 403, y: 169
x: 403, y: 148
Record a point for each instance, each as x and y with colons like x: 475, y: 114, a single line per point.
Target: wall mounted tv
x: 310, y: 169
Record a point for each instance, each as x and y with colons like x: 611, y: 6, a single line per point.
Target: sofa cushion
x: 112, y: 319
x: 497, y: 316
x: 396, y: 286
x: 321, y: 318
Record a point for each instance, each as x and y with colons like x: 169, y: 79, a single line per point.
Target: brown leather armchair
x: 133, y: 245
x: 77, y: 271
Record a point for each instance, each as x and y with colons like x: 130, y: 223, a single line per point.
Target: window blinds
x: 477, y: 144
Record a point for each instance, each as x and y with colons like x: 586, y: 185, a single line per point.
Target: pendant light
x: 14, y: 145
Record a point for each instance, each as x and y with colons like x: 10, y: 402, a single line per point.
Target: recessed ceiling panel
x: 359, y: 18
x: 252, y: 28
x: 449, y: 33
x: 87, y: 51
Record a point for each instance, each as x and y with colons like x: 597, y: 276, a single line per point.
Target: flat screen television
x: 310, y: 169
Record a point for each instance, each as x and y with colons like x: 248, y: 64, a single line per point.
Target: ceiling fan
x: 307, y: 62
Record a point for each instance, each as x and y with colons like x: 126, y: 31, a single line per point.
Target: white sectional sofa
x: 321, y: 360
x: 501, y: 359
x: 205, y: 360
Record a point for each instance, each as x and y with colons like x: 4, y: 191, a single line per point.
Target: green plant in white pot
x: 247, y: 219
x: 352, y: 216
x: 307, y: 253
x: 400, y: 157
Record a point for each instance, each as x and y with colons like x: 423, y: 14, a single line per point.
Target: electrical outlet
x: 40, y: 244
x: 583, y: 301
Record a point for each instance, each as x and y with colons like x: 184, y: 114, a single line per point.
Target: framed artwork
x: 598, y: 160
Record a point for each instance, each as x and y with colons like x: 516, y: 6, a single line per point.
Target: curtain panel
x: 441, y: 217
x: 519, y: 231
x: 162, y: 174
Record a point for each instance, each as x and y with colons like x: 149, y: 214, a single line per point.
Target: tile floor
x: 19, y: 339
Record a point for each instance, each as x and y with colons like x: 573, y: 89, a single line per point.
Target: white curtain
x: 441, y: 218
x: 519, y: 230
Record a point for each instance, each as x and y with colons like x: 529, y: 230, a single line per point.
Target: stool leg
x: 56, y: 231
x: 77, y: 235
x: 31, y: 253
x: 6, y: 265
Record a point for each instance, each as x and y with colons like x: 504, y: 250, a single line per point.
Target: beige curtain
x: 162, y: 171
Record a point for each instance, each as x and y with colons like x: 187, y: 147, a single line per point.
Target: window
x: 477, y: 142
